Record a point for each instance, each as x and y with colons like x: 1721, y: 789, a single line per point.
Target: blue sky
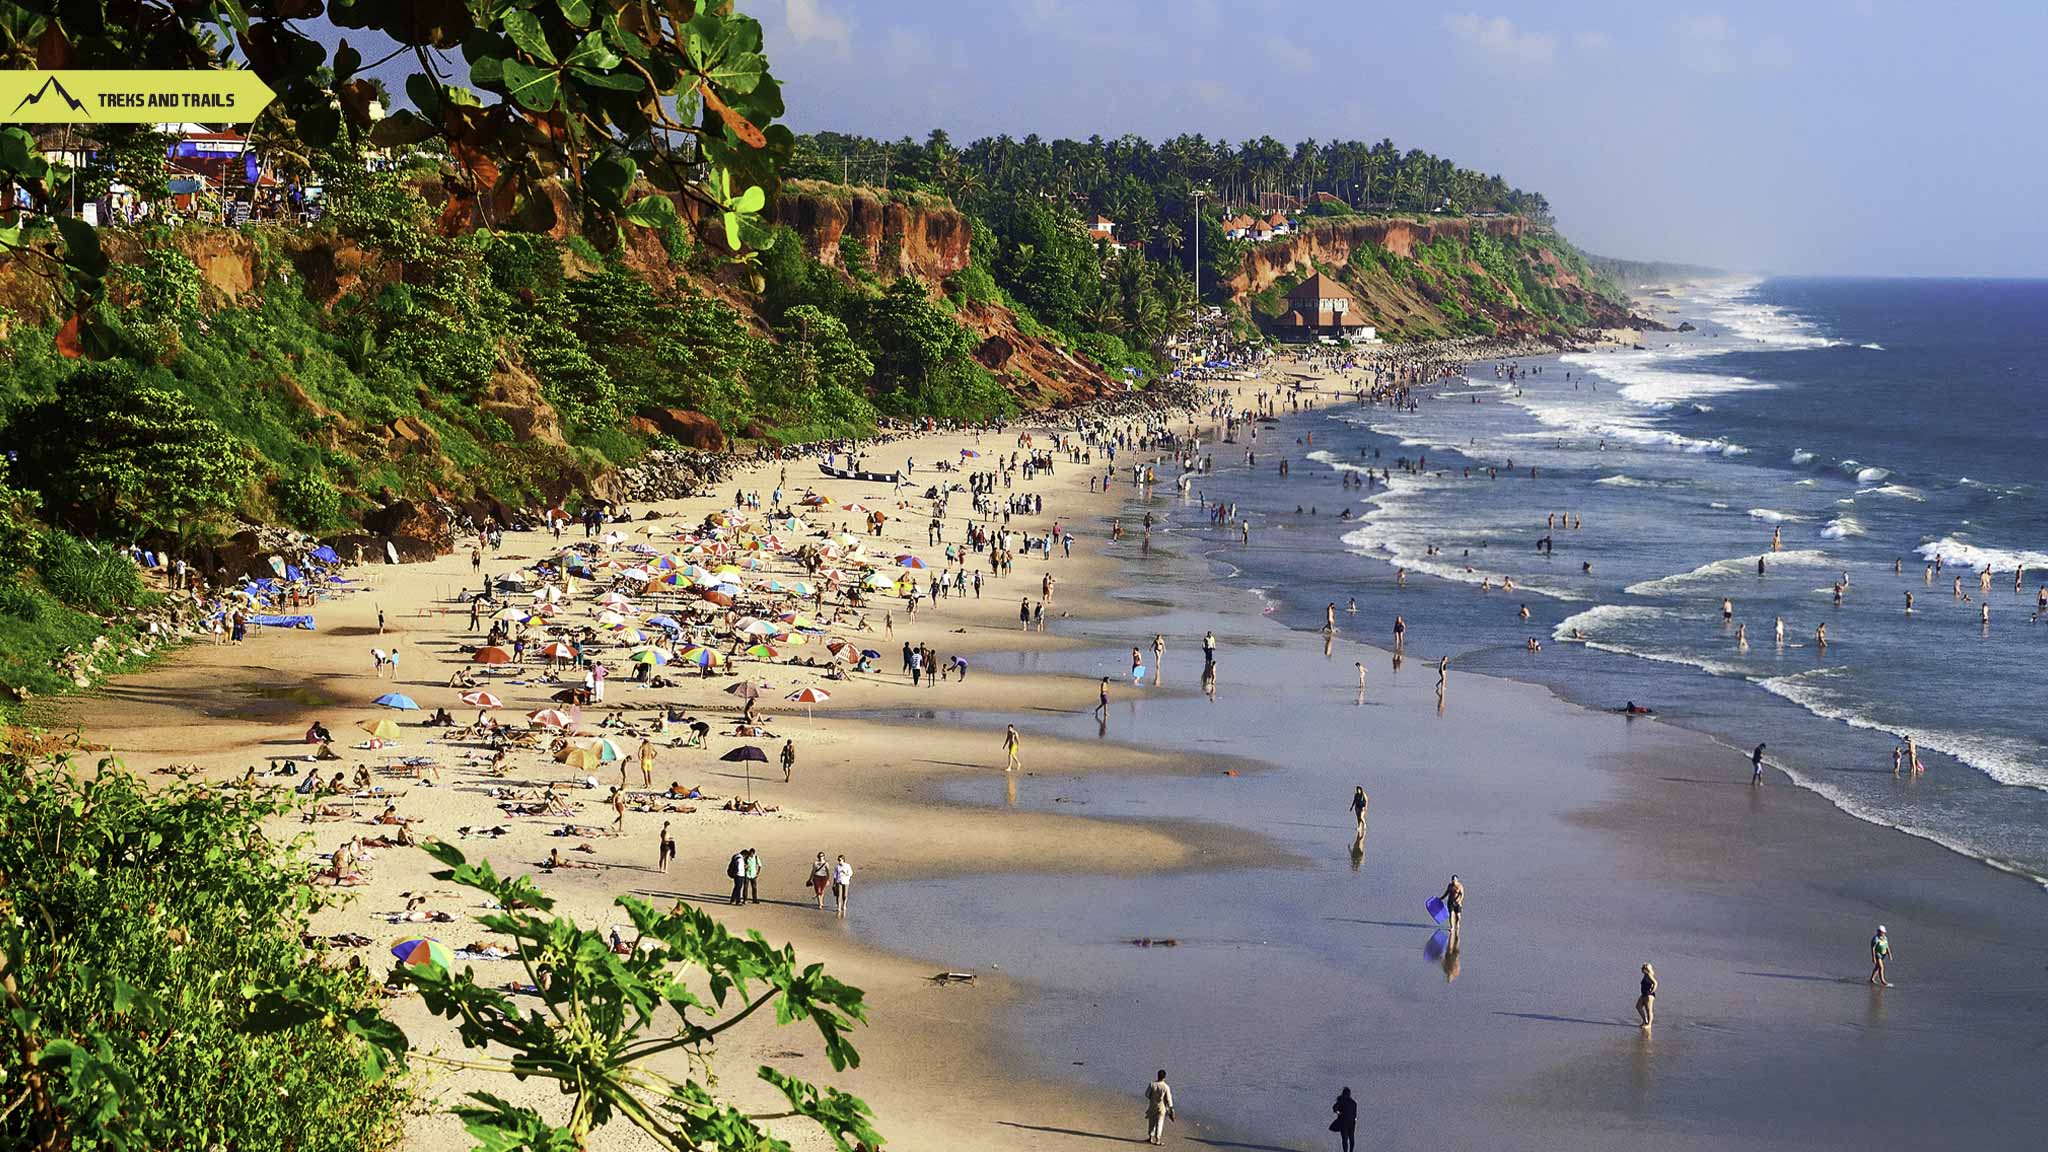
x: 1844, y: 136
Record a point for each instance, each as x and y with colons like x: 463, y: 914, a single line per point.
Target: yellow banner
x: 141, y: 96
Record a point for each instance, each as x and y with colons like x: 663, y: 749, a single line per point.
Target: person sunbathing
x: 556, y: 860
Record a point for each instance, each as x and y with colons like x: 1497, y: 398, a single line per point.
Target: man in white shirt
x: 1158, y: 1109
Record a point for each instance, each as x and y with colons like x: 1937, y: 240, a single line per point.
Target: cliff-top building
x: 1318, y: 307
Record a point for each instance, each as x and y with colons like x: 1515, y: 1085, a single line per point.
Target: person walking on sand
x: 842, y: 884
x: 618, y: 803
x: 1646, y: 1002
x: 1880, y: 951
x: 1454, y: 902
x: 1346, y: 1123
x: 1102, y: 698
x: 1010, y: 743
x: 788, y: 759
x: 1208, y: 650
x: 664, y: 849
x: 1400, y: 633
x: 1359, y: 801
x: 647, y: 754
x: 821, y: 879
x: 753, y: 876
x: 1756, y: 766
x: 1158, y: 1109
x: 1024, y: 613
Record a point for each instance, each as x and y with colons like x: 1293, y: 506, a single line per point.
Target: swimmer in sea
x: 1525, y: 612
x: 1727, y: 610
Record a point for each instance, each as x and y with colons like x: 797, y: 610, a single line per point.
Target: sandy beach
x: 1589, y: 845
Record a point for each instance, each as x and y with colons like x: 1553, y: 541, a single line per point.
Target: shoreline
x: 927, y: 1035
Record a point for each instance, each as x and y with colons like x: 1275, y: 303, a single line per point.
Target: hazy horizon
x: 1817, y: 141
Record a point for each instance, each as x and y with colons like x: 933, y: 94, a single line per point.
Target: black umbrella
x: 747, y: 754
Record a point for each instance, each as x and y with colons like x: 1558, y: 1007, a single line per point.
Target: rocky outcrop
x: 404, y: 520
x: 1331, y: 242
x: 514, y: 396
x: 688, y: 428
x: 1038, y: 372
x: 903, y: 237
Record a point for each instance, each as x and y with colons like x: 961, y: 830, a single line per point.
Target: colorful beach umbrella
x: 420, y: 953
x: 550, y: 718
x: 492, y: 655
x: 559, y: 651
x: 381, y: 729
x: 398, y: 700
x: 809, y: 696
x: 909, y: 562
x: 701, y: 656
x: 654, y: 656
x: 763, y: 652
x: 482, y: 699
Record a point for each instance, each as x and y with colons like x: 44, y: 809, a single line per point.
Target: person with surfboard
x: 1454, y: 902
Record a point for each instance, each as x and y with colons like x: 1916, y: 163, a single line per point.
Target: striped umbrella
x: 763, y: 652
x: 550, y: 718
x: 654, y: 656
x: 482, y: 699
x: 810, y: 696
x: 701, y: 656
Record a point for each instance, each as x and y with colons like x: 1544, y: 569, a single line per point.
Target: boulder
x: 994, y: 353
x: 689, y: 428
x: 411, y: 524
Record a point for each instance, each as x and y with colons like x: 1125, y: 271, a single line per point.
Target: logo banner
x: 121, y: 96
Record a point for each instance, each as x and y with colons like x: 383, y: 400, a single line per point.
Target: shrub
x: 83, y: 576
x: 308, y: 499
x: 141, y: 926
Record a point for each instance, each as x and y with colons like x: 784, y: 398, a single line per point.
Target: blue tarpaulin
x: 305, y: 622
x: 325, y: 555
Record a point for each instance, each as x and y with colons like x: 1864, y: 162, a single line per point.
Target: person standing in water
x: 1880, y: 951
x: 1756, y: 766
x: 1400, y: 633
x: 1346, y: 1123
x: 1454, y: 902
x: 1727, y: 610
x: 1646, y: 1001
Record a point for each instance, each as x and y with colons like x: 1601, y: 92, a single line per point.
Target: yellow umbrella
x: 381, y: 729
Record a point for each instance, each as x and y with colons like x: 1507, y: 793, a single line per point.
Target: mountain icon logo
x: 36, y: 97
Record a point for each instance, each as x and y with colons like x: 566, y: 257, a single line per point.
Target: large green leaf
x: 592, y: 52
x: 610, y: 81
x: 609, y: 178
x: 525, y: 30
x: 400, y: 129
x: 536, y: 88
x: 656, y: 211
x: 576, y: 12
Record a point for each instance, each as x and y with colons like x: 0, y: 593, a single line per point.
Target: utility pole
x: 1198, y: 252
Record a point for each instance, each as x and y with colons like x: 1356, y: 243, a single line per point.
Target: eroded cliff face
x: 902, y: 239
x: 1330, y: 243
x: 1410, y: 294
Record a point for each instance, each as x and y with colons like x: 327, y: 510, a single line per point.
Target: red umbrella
x: 492, y: 655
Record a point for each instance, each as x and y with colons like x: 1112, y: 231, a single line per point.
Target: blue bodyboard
x: 1437, y: 911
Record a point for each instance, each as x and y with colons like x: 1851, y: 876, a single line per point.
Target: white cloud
x: 1594, y: 42
x: 1290, y: 55
x: 811, y: 20
x: 1499, y: 37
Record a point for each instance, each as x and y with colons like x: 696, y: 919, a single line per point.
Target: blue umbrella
x: 398, y: 700
x: 663, y: 622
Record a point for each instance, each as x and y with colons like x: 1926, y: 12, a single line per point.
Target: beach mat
x: 1437, y: 911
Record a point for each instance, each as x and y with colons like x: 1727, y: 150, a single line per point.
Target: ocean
x: 1871, y: 423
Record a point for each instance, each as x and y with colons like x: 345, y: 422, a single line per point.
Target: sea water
x: 1868, y: 422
